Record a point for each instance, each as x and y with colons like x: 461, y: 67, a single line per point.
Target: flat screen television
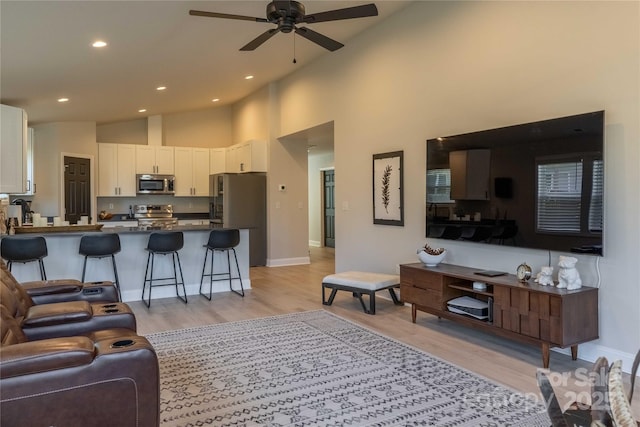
x: 535, y: 185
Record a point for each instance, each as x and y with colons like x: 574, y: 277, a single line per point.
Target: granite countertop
x: 178, y: 215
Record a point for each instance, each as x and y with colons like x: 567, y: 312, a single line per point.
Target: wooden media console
x: 542, y: 315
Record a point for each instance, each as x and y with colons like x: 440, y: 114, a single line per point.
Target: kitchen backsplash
x: 120, y: 205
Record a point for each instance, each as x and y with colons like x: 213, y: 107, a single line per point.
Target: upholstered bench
x: 359, y: 283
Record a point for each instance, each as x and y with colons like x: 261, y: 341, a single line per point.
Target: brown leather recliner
x: 60, y: 319
x: 106, y: 378
x: 48, y: 291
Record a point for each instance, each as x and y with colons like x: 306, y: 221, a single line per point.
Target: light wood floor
x: 281, y: 290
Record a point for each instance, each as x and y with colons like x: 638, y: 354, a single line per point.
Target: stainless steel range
x: 158, y: 217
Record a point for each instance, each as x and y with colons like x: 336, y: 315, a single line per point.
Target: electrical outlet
x: 110, y: 205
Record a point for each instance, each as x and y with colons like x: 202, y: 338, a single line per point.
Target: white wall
x: 442, y: 68
x: 210, y: 128
x: 76, y: 139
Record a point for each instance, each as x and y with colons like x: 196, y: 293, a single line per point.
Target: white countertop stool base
x: 359, y: 283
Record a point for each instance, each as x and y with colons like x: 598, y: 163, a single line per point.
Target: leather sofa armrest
x: 38, y: 284
x: 57, y: 313
x: 45, y: 355
x: 51, y: 291
x: 47, y: 288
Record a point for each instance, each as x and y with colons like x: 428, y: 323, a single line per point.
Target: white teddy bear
x: 544, y: 277
x: 568, y: 276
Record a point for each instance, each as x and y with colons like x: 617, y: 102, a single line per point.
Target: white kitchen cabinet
x: 155, y: 160
x: 250, y: 156
x: 116, y: 170
x: 470, y: 174
x: 13, y: 150
x: 192, y: 171
x: 217, y: 160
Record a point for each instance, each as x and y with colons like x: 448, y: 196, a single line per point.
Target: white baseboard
x: 192, y: 289
x: 283, y: 262
x: 314, y: 244
x: 590, y: 353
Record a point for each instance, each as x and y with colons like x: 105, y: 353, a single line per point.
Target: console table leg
x: 413, y: 313
x: 574, y: 352
x: 545, y: 355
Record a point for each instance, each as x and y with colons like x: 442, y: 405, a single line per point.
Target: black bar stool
x: 23, y: 250
x: 222, y: 240
x: 164, y: 243
x: 101, y: 245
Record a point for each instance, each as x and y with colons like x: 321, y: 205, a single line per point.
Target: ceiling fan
x: 287, y: 14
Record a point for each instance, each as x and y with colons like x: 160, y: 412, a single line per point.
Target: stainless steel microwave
x: 155, y: 184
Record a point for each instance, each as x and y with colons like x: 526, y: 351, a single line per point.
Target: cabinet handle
x: 241, y: 167
x: 28, y: 185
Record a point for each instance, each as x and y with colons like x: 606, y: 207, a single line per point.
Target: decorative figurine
x: 568, y: 276
x: 545, y: 276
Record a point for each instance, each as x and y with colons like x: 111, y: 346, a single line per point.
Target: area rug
x: 317, y: 369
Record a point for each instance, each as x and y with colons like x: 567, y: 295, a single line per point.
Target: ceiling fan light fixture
x: 287, y: 14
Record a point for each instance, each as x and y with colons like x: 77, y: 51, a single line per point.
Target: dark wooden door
x: 77, y: 188
x: 329, y: 209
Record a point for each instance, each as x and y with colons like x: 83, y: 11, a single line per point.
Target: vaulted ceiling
x: 46, y: 54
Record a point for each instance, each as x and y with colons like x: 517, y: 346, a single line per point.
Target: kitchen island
x: 64, y: 261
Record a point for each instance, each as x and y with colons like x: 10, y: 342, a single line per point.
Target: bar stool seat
x: 222, y: 240
x: 101, y: 245
x: 23, y: 250
x: 164, y: 243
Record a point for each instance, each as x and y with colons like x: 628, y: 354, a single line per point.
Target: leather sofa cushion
x: 57, y: 313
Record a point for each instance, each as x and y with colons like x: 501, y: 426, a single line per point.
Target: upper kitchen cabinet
x: 13, y: 150
x: 192, y: 171
x: 250, y: 156
x: 470, y: 174
x: 116, y: 170
x: 155, y: 160
x: 217, y: 160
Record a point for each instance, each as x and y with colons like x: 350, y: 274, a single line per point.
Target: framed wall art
x: 388, y: 198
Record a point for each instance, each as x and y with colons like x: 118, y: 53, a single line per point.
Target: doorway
x: 329, y: 211
x: 77, y: 188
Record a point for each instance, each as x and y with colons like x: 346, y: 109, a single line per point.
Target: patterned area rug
x: 317, y: 369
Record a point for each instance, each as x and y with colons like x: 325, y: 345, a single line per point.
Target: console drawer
x: 424, y: 297
x: 422, y: 279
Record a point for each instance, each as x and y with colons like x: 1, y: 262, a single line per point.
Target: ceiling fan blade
x: 225, y: 16
x: 319, y: 39
x: 338, y: 14
x: 253, y: 44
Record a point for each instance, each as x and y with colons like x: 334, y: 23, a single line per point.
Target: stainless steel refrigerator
x: 239, y: 200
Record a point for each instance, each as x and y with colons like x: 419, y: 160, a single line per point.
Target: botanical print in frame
x: 387, y: 189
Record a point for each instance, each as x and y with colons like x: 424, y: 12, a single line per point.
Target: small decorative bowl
x: 431, y: 260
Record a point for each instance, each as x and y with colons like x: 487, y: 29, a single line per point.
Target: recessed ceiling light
x: 63, y: 99
x: 215, y: 100
x: 99, y: 43
x: 249, y: 77
x: 161, y: 88
x: 142, y: 110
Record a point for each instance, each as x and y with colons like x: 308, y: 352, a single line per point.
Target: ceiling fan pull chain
x: 294, y: 48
